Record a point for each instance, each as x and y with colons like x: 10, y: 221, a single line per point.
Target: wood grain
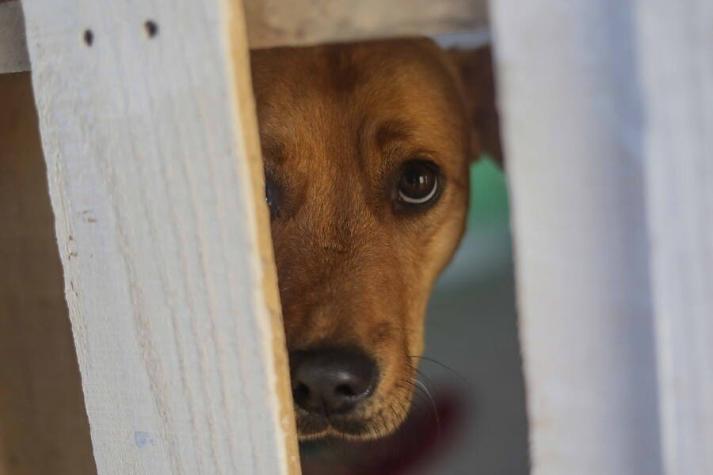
x: 148, y: 131
x: 677, y: 78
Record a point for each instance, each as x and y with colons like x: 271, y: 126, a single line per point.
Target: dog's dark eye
x: 419, y: 183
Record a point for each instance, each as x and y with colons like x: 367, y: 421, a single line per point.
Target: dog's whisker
x: 438, y: 363
x: 423, y: 375
x: 421, y: 393
x: 424, y: 388
x: 409, y: 388
x: 417, y: 394
x: 415, y: 383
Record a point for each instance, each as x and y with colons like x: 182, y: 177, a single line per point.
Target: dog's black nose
x: 331, y: 381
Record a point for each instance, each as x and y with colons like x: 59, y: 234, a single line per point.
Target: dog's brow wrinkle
x: 344, y: 74
x: 391, y: 131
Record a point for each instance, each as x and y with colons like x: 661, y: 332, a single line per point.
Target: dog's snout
x: 331, y: 381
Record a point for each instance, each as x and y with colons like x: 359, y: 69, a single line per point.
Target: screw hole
x: 88, y: 37
x: 151, y: 28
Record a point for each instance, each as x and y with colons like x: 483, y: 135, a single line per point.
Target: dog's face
x: 366, y: 151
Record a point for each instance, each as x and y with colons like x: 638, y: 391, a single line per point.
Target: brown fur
x: 336, y: 123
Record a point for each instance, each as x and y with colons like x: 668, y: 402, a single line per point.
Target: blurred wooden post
x: 13, y: 50
x: 148, y: 130
x: 43, y: 423
x: 676, y: 58
x: 569, y: 91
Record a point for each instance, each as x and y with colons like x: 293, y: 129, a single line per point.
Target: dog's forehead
x: 322, y: 101
x: 372, y: 67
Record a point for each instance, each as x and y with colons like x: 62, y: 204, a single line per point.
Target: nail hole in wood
x: 88, y: 37
x: 151, y: 28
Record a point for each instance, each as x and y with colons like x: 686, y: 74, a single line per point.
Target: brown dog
x: 367, y: 148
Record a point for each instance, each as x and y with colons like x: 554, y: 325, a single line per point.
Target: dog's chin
x: 313, y: 427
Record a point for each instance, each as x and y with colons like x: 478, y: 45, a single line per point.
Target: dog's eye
x: 419, y: 183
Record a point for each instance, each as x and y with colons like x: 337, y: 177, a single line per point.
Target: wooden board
x: 150, y: 139
x: 301, y: 22
x: 677, y: 78
x: 298, y: 22
x: 13, y: 52
x: 43, y: 424
x: 573, y: 125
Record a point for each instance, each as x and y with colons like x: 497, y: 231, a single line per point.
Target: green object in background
x: 488, y: 194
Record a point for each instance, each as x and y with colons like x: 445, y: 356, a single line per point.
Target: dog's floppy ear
x: 475, y: 71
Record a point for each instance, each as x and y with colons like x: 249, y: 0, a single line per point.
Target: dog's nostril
x: 300, y: 392
x: 331, y: 381
x: 344, y: 390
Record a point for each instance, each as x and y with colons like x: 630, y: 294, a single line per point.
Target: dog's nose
x: 331, y: 381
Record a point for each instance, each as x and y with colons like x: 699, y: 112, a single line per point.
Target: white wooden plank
x: 153, y: 161
x: 300, y: 22
x: 572, y: 125
x: 280, y: 23
x: 13, y: 52
x: 677, y: 74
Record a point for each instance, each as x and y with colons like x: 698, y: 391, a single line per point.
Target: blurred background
x: 475, y: 421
